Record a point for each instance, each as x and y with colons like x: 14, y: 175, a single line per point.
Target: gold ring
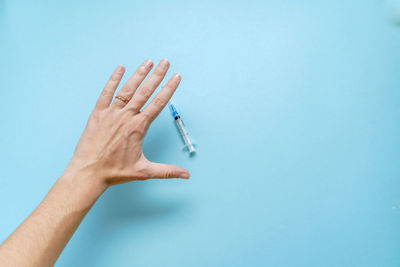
x: 123, y: 99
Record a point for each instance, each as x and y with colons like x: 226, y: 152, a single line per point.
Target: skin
x: 109, y: 152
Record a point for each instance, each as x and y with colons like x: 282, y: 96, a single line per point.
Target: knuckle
x: 138, y: 127
x: 132, y: 109
x: 144, y: 117
x: 159, y: 72
x: 124, y: 92
x: 115, y: 77
x: 135, y: 131
x: 146, y: 92
x: 141, y: 172
x: 160, y: 101
x: 107, y: 92
x: 123, y: 115
x: 94, y: 117
x: 169, y: 173
x: 142, y: 71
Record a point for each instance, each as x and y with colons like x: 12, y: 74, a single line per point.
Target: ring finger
x: 129, y: 88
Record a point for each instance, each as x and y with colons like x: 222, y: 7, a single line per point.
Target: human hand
x: 110, y: 148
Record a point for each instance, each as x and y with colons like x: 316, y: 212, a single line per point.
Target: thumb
x: 159, y: 170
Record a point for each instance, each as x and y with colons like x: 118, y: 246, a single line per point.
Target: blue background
x: 294, y: 106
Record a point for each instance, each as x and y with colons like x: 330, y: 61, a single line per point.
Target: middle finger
x: 148, y: 87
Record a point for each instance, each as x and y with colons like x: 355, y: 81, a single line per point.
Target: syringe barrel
x: 184, y: 134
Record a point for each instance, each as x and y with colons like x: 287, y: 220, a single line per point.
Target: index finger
x: 161, y: 99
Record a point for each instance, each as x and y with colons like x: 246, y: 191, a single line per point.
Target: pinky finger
x: 109, y: 90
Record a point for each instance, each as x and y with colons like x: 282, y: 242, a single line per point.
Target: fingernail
x: 147, y: 63
x: 164, y: 63
x: 119, y: 69
x: 177, y: 76
x: 185, y: 175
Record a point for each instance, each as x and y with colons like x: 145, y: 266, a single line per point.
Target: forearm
x: 40, y: 239
x: 111, y: 146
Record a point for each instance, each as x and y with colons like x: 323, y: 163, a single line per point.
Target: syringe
x: 189, y: 146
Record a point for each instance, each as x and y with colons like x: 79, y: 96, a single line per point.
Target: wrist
x: 84, y: 178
